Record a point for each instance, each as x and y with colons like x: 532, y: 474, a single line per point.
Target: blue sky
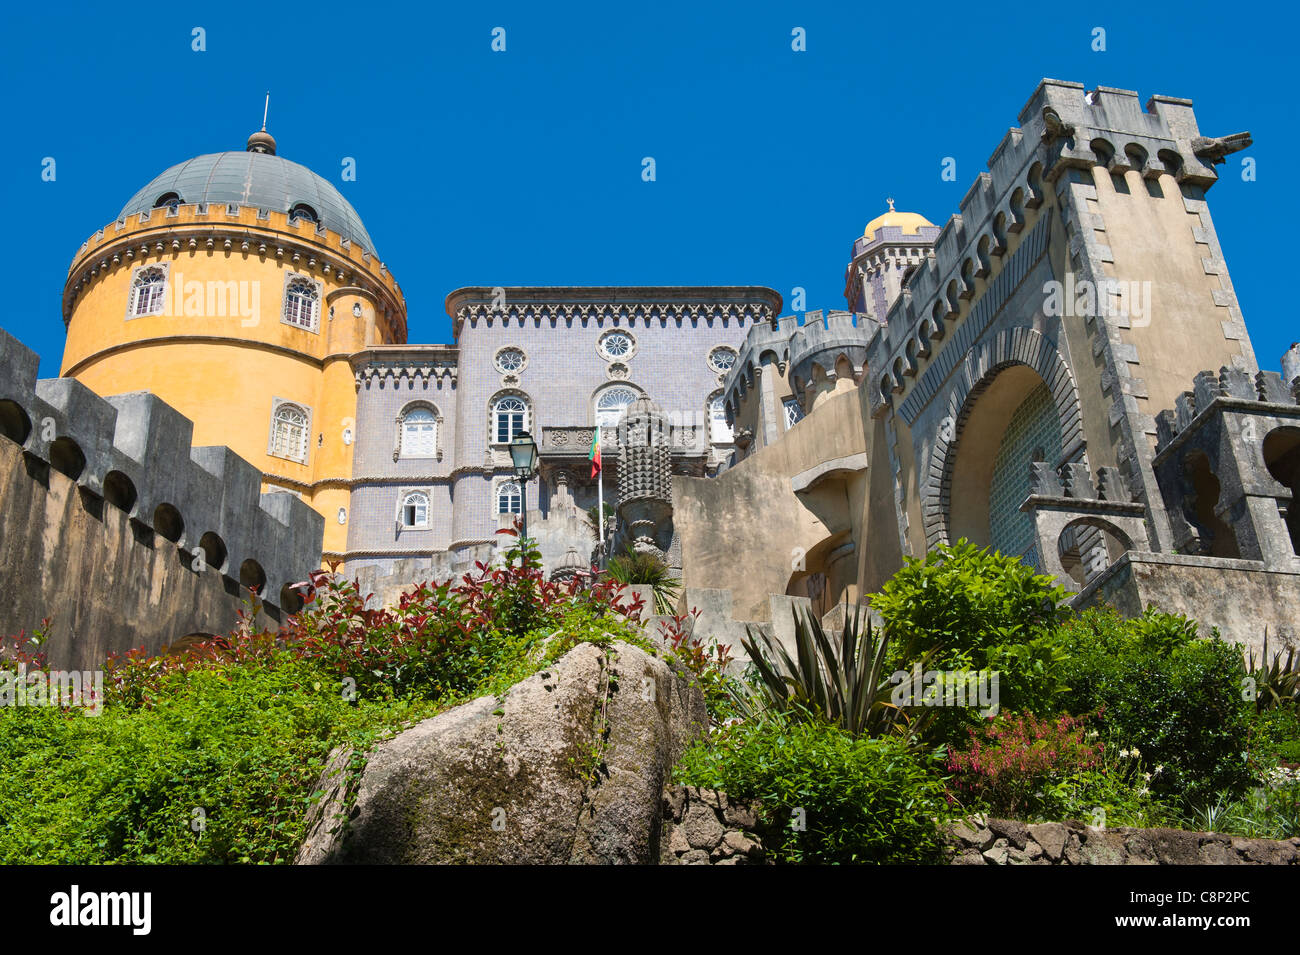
x: 524, y: 167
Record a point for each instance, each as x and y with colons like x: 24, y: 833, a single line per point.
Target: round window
x: 616, y: 345
x: 721, y: 359
x: 510, y: 361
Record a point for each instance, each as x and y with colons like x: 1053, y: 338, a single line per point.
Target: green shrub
x: 219, y: 768
x: 1275, y: 737
x: 1174, y: 698
x: 975, y: 609
x: 858, y: 800
x: 212, y: 757
x: 1266, y: 812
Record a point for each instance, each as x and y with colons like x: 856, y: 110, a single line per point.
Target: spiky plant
x: 842, y: 681
x: 638, y: 568
x: 1276, y: 683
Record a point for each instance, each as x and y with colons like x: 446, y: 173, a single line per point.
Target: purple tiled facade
x: 674, y: 331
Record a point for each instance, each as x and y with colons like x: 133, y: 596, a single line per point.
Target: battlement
x: 1268, y: 387
x: 766, y: 342
x: 135, y: 453
x: 822, y: 341
x: 1062, y: 128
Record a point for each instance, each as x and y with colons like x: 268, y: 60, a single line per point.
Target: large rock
x: 570, y: 768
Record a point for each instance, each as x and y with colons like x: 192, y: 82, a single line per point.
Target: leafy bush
x: 975, y: 609
x: 705, y: 663
x: 1275, y: 737
x: 212, y: 756
x: 218, y: 768
x: 1012, y: 761
x: 1175, y: 698
x: 826, y: 796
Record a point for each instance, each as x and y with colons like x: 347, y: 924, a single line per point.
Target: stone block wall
x: 704, y: 827
x: 1007, y: 842
x: 106, y: 507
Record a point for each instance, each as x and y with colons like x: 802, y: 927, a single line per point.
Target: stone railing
x: 576, y: 440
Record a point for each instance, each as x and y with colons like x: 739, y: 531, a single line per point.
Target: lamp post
x: 523, y: 455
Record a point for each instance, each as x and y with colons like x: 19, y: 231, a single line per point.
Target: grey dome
x: 260, y: 180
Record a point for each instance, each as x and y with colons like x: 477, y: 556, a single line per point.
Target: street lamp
x: 523, y: 455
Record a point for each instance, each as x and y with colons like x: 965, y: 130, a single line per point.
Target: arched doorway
x: 1282, y: 458
x: 1009, y: 423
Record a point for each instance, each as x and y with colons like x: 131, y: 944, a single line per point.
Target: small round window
x: 304, y: 212
x: 721, y: 359
x: 616, y: 346
x: 510, y: 361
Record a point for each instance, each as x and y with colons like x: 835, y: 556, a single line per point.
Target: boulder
x: 569, y: 767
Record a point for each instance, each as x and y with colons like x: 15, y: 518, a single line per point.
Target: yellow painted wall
x: 220, y: 353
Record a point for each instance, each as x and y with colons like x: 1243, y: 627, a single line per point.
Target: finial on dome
x: 890, y: 201
x: 262, y: 141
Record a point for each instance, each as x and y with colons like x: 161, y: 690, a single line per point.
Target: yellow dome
x: 909, y: 222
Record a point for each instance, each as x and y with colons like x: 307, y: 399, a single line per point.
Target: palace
x: 1125, y: 440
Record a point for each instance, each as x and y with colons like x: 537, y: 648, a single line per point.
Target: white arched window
x: 415, y: 509
x: 719, y: 430
x: 148, y: 291
x: 610, y: 405
x: 289, y: 427
x: 419, y: 433
x: 301, y: 303
x: 509, y: 417
x: 509, y: 498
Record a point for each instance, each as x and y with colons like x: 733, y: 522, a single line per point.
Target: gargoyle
x: 1054, y: 127
x: 1213, y: 149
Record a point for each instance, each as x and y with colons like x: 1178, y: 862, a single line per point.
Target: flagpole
x: 600, y: 501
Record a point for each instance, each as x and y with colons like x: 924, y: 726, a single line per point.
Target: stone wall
x: 104, y: 508
x: 704, y: 827
x: 1006, y: 842
x: 791, y: 512
x: 1239, y: 597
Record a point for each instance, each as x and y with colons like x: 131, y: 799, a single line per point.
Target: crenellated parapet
x: 409, y: 366
x: 767, y: 343
x: 823, y: 348
x: 133, y: 452
x: 1062, y: 128
x: 1228, y: 464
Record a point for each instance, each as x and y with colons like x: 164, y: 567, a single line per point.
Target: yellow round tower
x: 235, y: 286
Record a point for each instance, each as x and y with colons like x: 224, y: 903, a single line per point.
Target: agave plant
x: 843, y: 681
x: 1276, y: 683
x: 637, y: 568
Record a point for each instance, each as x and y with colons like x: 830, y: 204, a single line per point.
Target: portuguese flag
x: 594, y: 456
